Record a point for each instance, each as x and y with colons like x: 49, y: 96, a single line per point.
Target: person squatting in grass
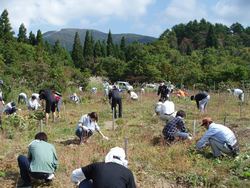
x: 1, y: 101
x: 74, y: 98
x: 50, y: 104
x: 86, y: 127
x: 163, y: 90
x: 158, y: 108
x: 33, y: 103
x: 204, y: 98
x: 41, y: 162
x: 105, y: 85
x: 22, y: 96
x: 176, y: 128
x: 132, y: 95
x: 113, y: 173
x: 10, y: 108
x: 167, y: 111
x: 115, y: 99
x: 220, y: 138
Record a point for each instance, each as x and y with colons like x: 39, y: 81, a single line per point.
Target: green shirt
x: 43, y: 157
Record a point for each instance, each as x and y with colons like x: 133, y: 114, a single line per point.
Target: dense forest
x: 194, y: 53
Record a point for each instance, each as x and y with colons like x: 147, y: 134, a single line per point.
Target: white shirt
x: 167, y: 108
x: 133, y: 95
x: 33, y: 104
x: 7, y: 106
x: 35, y: 94
x: 23, y: 94
x: 221, y: 132
x: 105, y: 85
x: 237, y: 92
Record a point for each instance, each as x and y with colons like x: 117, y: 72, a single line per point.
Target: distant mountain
x: 67, y: 36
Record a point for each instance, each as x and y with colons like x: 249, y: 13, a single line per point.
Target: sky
x: 144, y: 17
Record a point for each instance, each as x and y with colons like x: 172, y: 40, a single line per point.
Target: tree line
x: 193, y: 53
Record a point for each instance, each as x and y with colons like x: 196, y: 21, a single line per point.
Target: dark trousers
x: 24, y: 165
x: 164, y: 97
x: 116, y: 101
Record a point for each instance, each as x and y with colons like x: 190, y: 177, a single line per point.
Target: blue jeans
x: 182, y: 135
x: 86, y: 184
x: 24, y: 165
x: 22, y: 97
x: 80, y: 133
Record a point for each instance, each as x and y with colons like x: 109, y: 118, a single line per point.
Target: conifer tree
x: 47, y: 47
x: 97, y: 49
x: 92, y: 41
x: 5, y: 27
x: 117, y: 51
x: 57, y: 47
x: 123, y: 48
x: 39, y: 38
x: 110, y: 45
x: 211, y: 40
x: 104, y: 48
x: 189, y: 49
x: 87, y: 48
x: 32, y: 39
x: 77, y: 55
x: 22, y: 34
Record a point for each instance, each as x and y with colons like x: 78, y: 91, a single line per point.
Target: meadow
x: 152, y: 161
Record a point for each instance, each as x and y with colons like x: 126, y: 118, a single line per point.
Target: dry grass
x: 153, y: 163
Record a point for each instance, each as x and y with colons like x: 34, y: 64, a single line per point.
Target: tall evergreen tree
x: 57, y: 47
x: 97, y: 49
x: 104, y: 48
x: 110, y: 45
x: 39, y: 38
x: 87, y: 48
x: 5, y: 27
x: 211, y: 40
x: 32, y: 39
x: 92, y: 41
x: 22, y: 34
x: 123, y: 48
x: 189, y: 49
x: 77, y: 55
x: 47, y: 47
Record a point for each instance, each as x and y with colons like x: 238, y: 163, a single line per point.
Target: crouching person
x: 109, y: 174
x: 176, y: 128
x: 220, y: 137
x: 41, y: 162
x: 86, y: 127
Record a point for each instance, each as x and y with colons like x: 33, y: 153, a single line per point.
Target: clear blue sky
x: 145, y: 17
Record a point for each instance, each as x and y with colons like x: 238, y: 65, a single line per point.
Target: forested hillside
x: 66, y: 37
x: 195, y: 53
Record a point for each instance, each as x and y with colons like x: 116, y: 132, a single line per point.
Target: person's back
x: 48, y: 96
x: 167, y: 108
x: 114, y: 94
x: 109, y: 175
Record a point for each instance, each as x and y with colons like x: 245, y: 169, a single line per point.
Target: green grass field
x: 153, y: 163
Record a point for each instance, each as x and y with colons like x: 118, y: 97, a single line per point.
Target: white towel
x: 117, y: 152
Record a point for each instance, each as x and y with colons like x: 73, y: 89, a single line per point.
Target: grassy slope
x: 152, y: 162
x: 66, y: 37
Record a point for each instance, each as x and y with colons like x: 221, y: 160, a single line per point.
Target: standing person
x: 204, y: 98
x: 33, y: 103
x: 172, y: 87
x: 158, y: 108
x: 74, y: 98
x: 1, y: 101
x: 176, y: 127
x: 105, y: 85
x: 181, y: 93
x: 22, y: 96
x: 220, y: 138
x: 163, y: 90
x: 80, y: 89
x: 115, y: 99
x: 86, y: 127
x: 41, y: 162
x: 113, y: 173
x: 167, y: 111
x: 132, y: 95
x: 48, y: 96
x: 238, y: 92
x: 58, y: 97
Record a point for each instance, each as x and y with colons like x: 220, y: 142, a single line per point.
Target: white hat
x: 74, y: 94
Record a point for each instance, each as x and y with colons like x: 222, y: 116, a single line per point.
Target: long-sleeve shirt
x: 84, y: 121
x: 74, y: 98
x: 163, y: 89
x: 199, y: 96
x: 105, y: 85
x: 158, y: 107
x: 133, y: 95
x: 181, y: 93
x: 171, y: 127
x: 7, y: 106
x: 167, y: 108
x: 237, y: 92
x: 33, y: 104
x: 221, y: 132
